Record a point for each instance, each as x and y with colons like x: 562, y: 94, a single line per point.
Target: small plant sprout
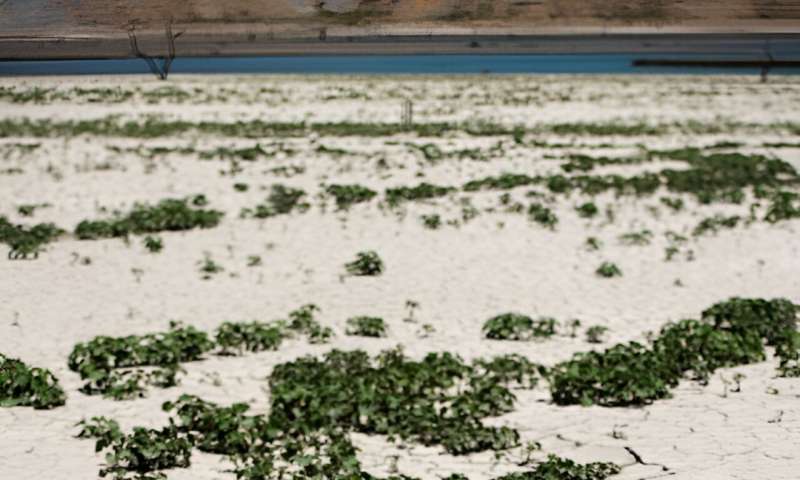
x: 426, y: 330
x: 411, y: 307
x: 573, y: 326
x: 595, y: 333
x: 608, y: 270
x: 208, y: 267
x: 153, y: 244
x: 737, y: 378
x: 366, y: 327
x: 241, y: 187
x: 253, y: 260
x: 366, y: 264
x: 593, y: 244
x: 636, y: 238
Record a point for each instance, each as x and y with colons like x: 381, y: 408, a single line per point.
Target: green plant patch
x: 395, y: 396
x: 348, y: 195
x: 233, y: 337
x: 608, y: 270
x: 515, y: 326
x: 639, y: 238
x: 282, y: 200
x: 27, y: 241
x: 432, y: 221
x: 715, y: 223
x: 167, y: 215
x: 143, y: 451
x: 107, y: 364
x: 557, y: 468
x: 366, y: 327
x: 505, y: 181
x: 784, y: 205
x: 24, y: 386
x: 367, y: 264
x: 542, y: 215
x: 730, y: 333
x: 153, y: 244
x: 423, y: 191
x: 587, y: 210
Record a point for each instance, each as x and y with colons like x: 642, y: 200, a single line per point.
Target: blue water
x: 387, y: 64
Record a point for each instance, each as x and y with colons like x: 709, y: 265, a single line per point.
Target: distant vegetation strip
x: 156, y: 127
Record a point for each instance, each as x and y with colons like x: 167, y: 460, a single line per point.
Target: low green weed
x: 366, y: 327
x: 367, y: 264
x: 24, y: 386
x: 515, y: 326
x: 730, y: 333
x: 348, y: 195
x: 167, y: 215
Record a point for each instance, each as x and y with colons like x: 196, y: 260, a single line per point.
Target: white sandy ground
x: 460, y: 276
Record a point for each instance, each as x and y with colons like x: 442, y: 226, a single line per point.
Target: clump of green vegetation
x: 513, y: 370
x: 153, y: 244
x: 208, y: 267
x: 167, y: 215
x: 636, y: 238
x: 366, y: 264
x: 730, y: 333
x: 515, y: 326
x: 676, y: 204
x: 249, y: 336
x: 315, y: 405
x: 143, y: 451
x: 542, y: 215
x: 25, y: 241
x: 247, y: 154
x: 109, y: 365
x: 29, y: 209
x: 423, y: 191
x: 594, y: 334
x: 366, y: 327
x: 715, y: 223
x: 24, y: 386
x: 282, y: 200
x: 608, y: 270
x: 785, y: 206
x: 505, y: 181
x: 557, y: 468
x: 309, y: 395
x: 587, y: 210
x: 241, y: 187
x: 432, y: 221
x: 348, y: 195
x: 430, y: 151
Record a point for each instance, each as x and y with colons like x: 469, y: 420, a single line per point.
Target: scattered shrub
x: 249, y: 336
x: 730, y: 333
x: 24, y: 386
x: 167, y: 215
x: 636, y: 238
x: 594, y: 334
x: 542, y: 215
x: 282, y: 200
x: 423, y: 191
x: 367, y: 263
x: 366, y: 327
x: 24, y: 241
x: 143, y: 451
x: 102, y: 362
x: 514, y: 326
x: 587, y: 210
x: 348, y: 195
x: 432, y: 222
x: 153, y: 244
x: 608, y: 270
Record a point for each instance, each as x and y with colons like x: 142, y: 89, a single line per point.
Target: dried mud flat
x: 73, y: 149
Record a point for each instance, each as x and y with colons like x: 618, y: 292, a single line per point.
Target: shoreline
x: 236, y: 42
